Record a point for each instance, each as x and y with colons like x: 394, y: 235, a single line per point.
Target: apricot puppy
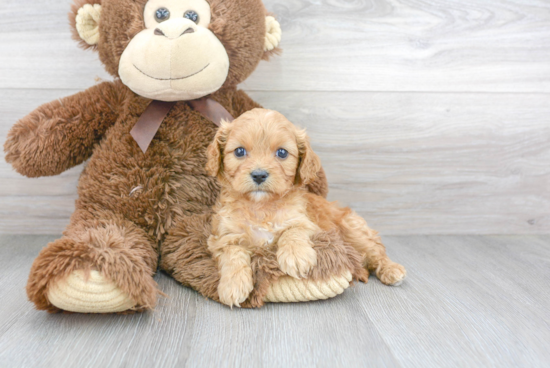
x: 263, y: 163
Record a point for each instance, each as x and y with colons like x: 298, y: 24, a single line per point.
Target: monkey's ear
x: 84, y: 19
x: 309, y: 163
x: 272, y: 34
x: 214, y: 153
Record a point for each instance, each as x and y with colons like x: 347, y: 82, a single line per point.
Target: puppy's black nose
x: 259, y: 176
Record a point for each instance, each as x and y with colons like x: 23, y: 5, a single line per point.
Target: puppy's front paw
x: 296, y: 259
x: 391, y: 273
x: 235, y: 289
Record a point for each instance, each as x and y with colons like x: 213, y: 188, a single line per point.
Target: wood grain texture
x: 330, y: 45
x: 429, y: 162
x: 468, y: 301
x: 409, y: 163
x: 431, y: 117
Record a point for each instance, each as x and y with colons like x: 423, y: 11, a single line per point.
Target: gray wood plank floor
x: 469, y: 301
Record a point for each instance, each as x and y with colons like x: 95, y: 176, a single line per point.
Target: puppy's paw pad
x: 235, y: 289
x: 392, y: 274
x: 297, y: 261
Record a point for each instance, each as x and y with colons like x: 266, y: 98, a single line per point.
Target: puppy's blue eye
x: 282, y: 153
x: 240, y: 152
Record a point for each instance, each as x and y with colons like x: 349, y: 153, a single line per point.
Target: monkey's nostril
x: 158, y: 32
x: 188, y: 30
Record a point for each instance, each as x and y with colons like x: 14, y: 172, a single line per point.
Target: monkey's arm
x: 61, y: 134
x: 243, y: 103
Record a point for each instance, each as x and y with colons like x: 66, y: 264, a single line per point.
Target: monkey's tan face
x: 176, y: 57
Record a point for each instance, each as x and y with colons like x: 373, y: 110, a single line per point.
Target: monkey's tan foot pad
x: 288, y: 289
x: 93, y: 295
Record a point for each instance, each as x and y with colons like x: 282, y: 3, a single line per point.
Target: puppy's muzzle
x: 259, y: 176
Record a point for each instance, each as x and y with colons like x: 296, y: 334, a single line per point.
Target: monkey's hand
x: 61, y: 134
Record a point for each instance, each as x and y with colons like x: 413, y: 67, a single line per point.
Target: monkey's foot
x: 94, y: 294
x: 289, y: 289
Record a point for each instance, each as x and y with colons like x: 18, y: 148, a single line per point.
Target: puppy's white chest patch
x: 266, y: 234
x: 262, y: 235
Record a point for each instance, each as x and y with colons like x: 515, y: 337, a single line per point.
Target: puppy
x: 263, y: 163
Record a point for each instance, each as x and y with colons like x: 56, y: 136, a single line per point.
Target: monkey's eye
x: 240, y: 152
x: 162, y: 14
x: 191, y: 15
x: 282, y: 153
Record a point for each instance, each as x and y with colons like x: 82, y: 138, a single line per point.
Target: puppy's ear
x: 214, y: 153
x: 309, y: 163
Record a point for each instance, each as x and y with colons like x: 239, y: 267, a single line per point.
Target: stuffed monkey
x: 144, y: 201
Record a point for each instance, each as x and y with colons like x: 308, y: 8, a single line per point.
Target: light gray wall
x: 431, y: 117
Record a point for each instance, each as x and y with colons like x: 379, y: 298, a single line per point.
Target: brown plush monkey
x: 137, y: 210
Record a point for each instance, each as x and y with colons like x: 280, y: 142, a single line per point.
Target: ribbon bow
x: 149, y: 122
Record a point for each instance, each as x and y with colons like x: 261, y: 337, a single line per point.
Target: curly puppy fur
x: 135, y: 207
x: 263, y: 163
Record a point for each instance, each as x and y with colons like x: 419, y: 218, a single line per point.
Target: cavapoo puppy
x: 263, y: 163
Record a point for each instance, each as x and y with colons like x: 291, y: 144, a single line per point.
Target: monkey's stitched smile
x: 170, y: 79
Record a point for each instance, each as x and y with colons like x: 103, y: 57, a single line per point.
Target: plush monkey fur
x: 137, y: 211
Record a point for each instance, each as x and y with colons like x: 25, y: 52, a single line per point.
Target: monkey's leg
x: 102, y: 264
x: 185, y: 255
x: 367, y: 242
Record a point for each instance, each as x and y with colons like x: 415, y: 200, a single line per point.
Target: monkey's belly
x: 147, y: 190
